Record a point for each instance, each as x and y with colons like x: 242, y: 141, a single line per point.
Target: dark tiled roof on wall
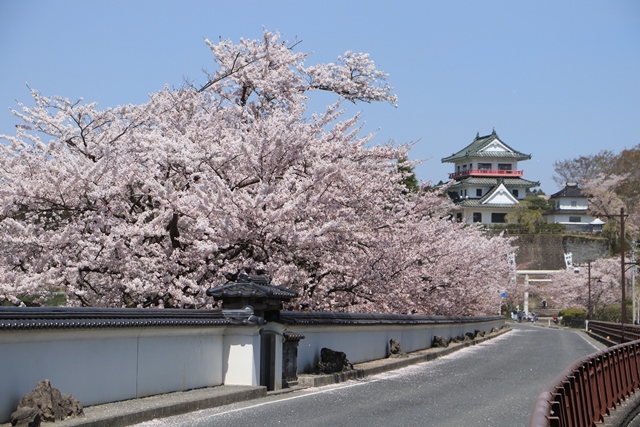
x: 331, y: 318
x: 20, y: 318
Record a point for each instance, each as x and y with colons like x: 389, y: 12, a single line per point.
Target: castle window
x: 575, y: 219
x: 478, y: 192
x: 484, y: 166
x: 498, y: 218
x: 477, y: 217
x: 504, y: 166
x: 515, y: 193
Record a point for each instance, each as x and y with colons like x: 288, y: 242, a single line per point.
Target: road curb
x: 128, y: 412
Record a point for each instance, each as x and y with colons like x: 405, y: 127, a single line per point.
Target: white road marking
x: 590, y: 342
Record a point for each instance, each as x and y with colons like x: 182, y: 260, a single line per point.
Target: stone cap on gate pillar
x: 255, y: 291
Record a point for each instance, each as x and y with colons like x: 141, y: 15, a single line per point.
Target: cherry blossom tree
x: 611, y: 179
x: 582, y: 168
x: 571, y: 287
x: 149, y: 205
x: 603, y: 199
x: 605, y: 202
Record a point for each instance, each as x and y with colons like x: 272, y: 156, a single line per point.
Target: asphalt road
x: 493, y: 384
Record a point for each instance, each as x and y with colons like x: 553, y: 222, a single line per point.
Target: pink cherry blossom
x: 571, y: 287
x: 149, y: 205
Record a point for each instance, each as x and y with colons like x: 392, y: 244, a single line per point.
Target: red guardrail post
x: 585, y: 394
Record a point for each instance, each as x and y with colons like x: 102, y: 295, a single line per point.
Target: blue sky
x: 555, y: 78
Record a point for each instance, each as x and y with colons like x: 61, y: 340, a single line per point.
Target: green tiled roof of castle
x: 508, y: 182
x: 479, y: 143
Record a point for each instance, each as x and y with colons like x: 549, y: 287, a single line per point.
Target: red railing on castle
x: 486, y: 173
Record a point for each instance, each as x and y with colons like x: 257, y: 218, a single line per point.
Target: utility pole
x: 623, y: 270
x: 633, y: 282
x: 623, y: 305
x: 599, y: 282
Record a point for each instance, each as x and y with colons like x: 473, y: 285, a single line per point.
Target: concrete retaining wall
x: 546, y: 252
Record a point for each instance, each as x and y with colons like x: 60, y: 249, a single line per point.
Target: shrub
x: 611, y: 313
x: 573, y: 317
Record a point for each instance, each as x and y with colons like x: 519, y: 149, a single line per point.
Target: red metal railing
x: 615, y: 332
x: 485, y: 172
x: 587, y: 391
